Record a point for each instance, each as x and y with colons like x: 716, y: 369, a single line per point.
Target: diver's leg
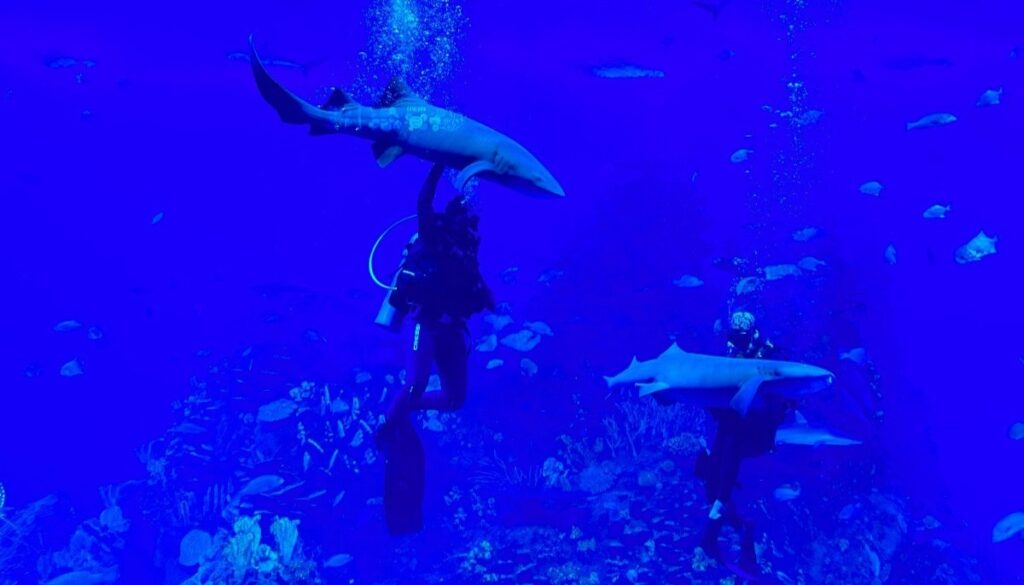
x: 405, y: 399
x: 451, y: 353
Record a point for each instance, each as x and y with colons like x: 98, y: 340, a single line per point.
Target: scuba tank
x: 390, y: 316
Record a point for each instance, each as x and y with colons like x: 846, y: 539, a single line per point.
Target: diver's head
x: 742, y: 329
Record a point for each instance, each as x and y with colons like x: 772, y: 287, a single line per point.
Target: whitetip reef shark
x: 403, y: 123
x: 723, y: 382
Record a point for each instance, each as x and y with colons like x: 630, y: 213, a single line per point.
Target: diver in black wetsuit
x: 738, y: 437
x: 441, y: 286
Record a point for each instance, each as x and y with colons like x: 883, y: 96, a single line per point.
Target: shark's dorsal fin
x: 673, y: 349
x: 386, y: 152
x: 396, y: 90
x: 799, y: 418
x: 634, y: 362
x: 339, y: 99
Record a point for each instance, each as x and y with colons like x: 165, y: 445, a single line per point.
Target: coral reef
x: 263, y: 486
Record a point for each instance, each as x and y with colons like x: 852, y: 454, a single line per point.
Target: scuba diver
x: 440, y: 286
x: 738, y: 437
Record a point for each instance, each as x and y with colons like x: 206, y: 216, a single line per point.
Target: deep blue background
x: 176, y: 127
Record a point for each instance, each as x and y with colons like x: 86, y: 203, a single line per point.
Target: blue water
x: 214, y: 259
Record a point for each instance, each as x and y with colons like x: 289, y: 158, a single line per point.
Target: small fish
x: 805, y: 234
x: 857, y: 355
x: 498, y: 322
x: 188, y: 429
x: 873, y: 188
x: 528, y: 367
x: 337, y: 561
x: 243, y: 56
x: 363, y: 377
x: 550, y: 275
x: 71, y: 369
x: 626, y: 72
x: 787, y: 492
x: 810, y: 264
x: 808, y: 118
x: 261, y: 485
x: 276, y: 410
x: 539, y: 327
x: 65, y: 62
x: 932, y: 121
x: 524, y: 340
x: 780, y: 271
x: 748, y: 285
x: 488, y: 343
x: 930, y: 523
x: 740, y: 156
x: 1017, y: 431
x: 95, y: 333
x: 849, y: 511
x: 508, y: 276
x: 936, y: 212
x: 1009, y: 526
x: 157, y: 218
x: 979, y: 247
x: 65, y: 326
x: 890, y: 255
x: 688, y: 281
x: 990, y: 98
x: 496, y: 363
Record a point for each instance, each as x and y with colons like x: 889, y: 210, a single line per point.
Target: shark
x: 403, y: 123
x: 723, y: 382
x: 802, y: 433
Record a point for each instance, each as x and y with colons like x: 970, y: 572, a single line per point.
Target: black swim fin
x: 404, y: 478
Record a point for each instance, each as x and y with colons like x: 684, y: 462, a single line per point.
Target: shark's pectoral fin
x: 748, y: 391
x: 386, y: 153
x: 471, y: 170
x: 646, y: 389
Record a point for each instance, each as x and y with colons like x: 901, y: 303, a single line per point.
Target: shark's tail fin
x: 289, y: 107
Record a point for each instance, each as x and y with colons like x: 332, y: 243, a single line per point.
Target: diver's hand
x: 426, y: 199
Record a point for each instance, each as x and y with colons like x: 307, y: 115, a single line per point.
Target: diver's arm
x: 425, y: 203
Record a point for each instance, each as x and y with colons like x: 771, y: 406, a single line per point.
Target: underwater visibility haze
x: 444, y: 291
